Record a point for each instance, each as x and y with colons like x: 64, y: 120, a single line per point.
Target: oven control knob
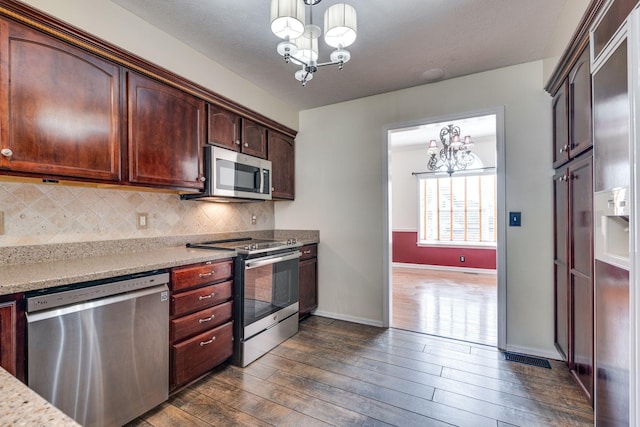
x: 247, y: 247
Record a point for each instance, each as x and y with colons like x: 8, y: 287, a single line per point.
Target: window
x: 460, y: 209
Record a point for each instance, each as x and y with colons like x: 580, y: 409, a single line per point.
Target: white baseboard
x: 347, y: 318
x: 444, y: 267
x: 534, y: 352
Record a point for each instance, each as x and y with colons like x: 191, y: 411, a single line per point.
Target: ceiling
x: 400, y: 43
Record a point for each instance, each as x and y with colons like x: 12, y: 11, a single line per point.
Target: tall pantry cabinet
x: 573, y: 223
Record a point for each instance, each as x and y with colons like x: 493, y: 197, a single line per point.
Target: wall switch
x: 515, y: 219
x: 143, y: 221
x: 461, y: 258
x: 1, y: 222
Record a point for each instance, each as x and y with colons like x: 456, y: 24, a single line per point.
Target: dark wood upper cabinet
x: 59, y: 108
x: 580, y: 138
x: 254, y: 139
x: 166, y: 134
x: 282, y: 155
x: 560, y: 111
x: 223, y: 128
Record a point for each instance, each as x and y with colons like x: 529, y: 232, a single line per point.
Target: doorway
x: 444, y: 249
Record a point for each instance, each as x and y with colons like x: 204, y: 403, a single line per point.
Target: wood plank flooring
x: 446, y: 303
x: 335, y: 373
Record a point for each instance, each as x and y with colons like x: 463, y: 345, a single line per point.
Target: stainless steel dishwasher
x: 99, y: 351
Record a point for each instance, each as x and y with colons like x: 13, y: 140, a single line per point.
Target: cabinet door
x: 254, y: 139
x: 582, y: 368
x: 561, y: 269
x: 580, y: 106
x: 223, y: 128
x: 12, y: 335
x: 60, y: 108
x: 166, y: 135
x: 581, y: 206
x: 282, y: 156
x: 308, y: 282
x: 560, y: 107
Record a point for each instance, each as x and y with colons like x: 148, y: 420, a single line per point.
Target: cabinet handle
x: 203, y: 343
x: 202, y: 179
x: 565, y: 148
x: 211, y: 273
x: 237, y: 142
x: 246, y: 144
x: 207, y: 319
x: 201, y: 297
x: 306, y: 252
x: 7, y: 152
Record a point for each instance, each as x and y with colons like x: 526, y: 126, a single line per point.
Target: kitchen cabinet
x: 281, y: 153
x: 166, y: 135
x: 201, y: 326
x: 60, y: 108
x: 231, y: 131
x: 308, y: 280
x: 574, y: 268
x: 571, y: 109
x: 12, y: 335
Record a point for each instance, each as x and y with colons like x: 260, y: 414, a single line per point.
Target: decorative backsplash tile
x: 42, y: 213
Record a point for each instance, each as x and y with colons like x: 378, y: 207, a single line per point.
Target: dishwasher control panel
x: 88, y: 291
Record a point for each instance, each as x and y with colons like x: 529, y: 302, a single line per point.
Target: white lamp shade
x: 287, y: 18
x: 307, y: 49
x: 340, y: 25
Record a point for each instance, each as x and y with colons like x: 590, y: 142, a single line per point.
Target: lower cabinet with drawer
x: 308, y: 280
x: 201, y: 327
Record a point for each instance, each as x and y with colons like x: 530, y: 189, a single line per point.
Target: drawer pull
x: 207, y: 319
x: 201, y: 297
x: 203, y: 343
x: 307, y: 252
x: 201, y: 275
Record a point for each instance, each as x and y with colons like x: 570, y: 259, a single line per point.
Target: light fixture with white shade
x: 300, y: 45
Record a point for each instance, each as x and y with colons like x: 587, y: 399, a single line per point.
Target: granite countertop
x: 21, y: 406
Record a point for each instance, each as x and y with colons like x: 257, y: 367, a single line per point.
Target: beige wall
x: 120, y: 27
x: 567, y: 23
x: 339, y: 190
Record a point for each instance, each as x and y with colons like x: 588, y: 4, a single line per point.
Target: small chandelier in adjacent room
x: 300, y: 45
x: 455, y: 153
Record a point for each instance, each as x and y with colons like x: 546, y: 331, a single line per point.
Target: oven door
x: 270, y: 291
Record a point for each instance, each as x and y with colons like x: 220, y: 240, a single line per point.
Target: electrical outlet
x: 142, y: 221
x: 254, y: 219
x: 1, y: 222
x: 461, y: 258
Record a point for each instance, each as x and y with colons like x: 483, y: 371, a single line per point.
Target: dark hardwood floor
x: 343, y: 374
x: 450, y: 304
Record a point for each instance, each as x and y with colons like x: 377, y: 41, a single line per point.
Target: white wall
x: 105, y: 19
x: 339, y: 190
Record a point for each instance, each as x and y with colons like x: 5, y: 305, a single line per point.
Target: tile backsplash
x: 43, y: 213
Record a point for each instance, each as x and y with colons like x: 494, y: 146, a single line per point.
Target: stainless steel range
x: 265, y: 293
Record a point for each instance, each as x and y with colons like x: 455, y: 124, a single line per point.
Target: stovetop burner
x: 247, y: 246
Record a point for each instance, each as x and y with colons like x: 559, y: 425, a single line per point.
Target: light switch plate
x: 515, y: 219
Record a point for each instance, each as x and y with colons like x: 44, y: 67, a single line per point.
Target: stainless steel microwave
x: 234, y: 177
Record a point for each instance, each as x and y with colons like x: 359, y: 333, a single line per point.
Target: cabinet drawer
x: 199, y: 274
x: 200, y: 298
x: 194, y: 357
x: 200, y: 321
x: 309, y: 251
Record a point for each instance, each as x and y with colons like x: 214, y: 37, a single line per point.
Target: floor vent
x: 527, y: 360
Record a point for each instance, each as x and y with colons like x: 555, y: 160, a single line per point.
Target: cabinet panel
x: 561, y: 269
x: 580, y: 106
x: 223, y: 128
x: 254, y: 139
x: 200, y: 274
x: 200, y: 321
x: 282, y: 155
x: 193, y: 357
x: 207, y: 296
x: 582, y: 291
x: 60, y: 108
x: 560, y: 109
x: 581, y: 205
x: 166, y: 135
x: 12, y: 335
x: 308, y: 280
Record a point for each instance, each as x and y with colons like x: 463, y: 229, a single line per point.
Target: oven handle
x: 271, y: 260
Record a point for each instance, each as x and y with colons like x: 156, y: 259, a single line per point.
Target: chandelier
x: 300, y: 45
x: 455, y: 153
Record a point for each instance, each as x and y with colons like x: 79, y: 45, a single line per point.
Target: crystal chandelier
x: 455, y: 153
x: 300, y: 45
